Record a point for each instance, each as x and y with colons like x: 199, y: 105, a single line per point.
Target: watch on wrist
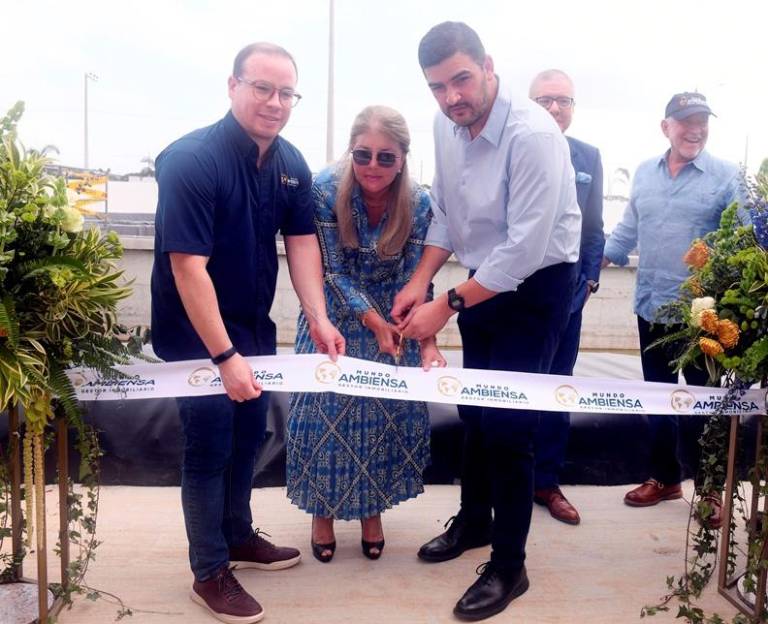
x: 455, y: 300
x: 593, y: 286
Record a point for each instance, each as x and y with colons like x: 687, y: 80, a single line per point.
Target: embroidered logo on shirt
x: 289, y: 181
x: 582, y: 177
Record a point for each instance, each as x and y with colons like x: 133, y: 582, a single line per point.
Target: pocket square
x: 582, y: 177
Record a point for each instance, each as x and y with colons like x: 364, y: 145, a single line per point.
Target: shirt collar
x: 244, y: 144
x: 701, y: 162
x: 496, y: 122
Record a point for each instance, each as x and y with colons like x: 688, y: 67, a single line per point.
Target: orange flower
x: 710, y: 347
x: 709, y: 321
x: 727, y: 333
x: 697, y: 255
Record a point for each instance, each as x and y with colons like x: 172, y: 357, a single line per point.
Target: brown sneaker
x: 226, y: 599
x: 256, y: 552
x: 652, y: 492
x: 559, y: 506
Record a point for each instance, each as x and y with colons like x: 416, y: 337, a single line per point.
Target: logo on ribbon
x: 327, y: 372
x: 682, y: 401
x: 202, y: 376
x: 448, y: 386
x: 567, y: 395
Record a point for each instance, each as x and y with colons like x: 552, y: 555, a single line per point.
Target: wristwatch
x: 593, y: 286
x: 455, y: 300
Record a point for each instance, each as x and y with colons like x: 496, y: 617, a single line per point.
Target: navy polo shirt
x: 213, y: 201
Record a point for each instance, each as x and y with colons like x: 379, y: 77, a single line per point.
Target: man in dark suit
x: 553, y: 90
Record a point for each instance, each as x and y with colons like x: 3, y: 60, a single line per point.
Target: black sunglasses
x: 363, y: 157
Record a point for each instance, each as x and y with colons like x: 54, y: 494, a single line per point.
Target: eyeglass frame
x: 559, y: 99
x: 358, y: 160
x: 295, y: 98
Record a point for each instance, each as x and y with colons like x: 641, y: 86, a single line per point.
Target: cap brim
x: 691, y: 110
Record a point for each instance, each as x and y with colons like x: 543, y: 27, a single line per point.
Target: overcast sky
x: 162, y: 68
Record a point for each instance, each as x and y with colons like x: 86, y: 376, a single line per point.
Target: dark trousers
x: 665, y: 459
x: 514, y: 331
x: 551, y: 438
x: 221, y: 438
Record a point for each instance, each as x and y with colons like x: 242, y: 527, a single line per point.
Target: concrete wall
x: 609, y: 323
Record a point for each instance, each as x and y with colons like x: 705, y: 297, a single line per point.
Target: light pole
x: 329, y: 129
x: 86, y: 77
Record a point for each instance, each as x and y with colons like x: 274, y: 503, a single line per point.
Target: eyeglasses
x: 263, y: 92
x: 562, y: 101
x: 363, y: 157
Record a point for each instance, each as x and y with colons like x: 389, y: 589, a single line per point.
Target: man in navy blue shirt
x: 553, y: 89
x: 224, y: 193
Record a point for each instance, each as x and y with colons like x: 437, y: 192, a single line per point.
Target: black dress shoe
x: 458, y: 538
x: 491, y: 593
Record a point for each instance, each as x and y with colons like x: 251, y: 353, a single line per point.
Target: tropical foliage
x: 59, y: 290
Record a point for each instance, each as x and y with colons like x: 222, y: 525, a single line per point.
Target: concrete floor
x: 602, y: 571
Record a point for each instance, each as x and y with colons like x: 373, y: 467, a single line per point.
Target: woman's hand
x: 430, y: 354
x: 387, y: 335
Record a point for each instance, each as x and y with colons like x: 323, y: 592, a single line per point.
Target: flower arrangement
x: 724, y: 306
x: 58, y: 294
x: 723, y: 312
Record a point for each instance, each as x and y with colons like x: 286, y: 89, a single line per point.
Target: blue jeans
x: 221, y: 438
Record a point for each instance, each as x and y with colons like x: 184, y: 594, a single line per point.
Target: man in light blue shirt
x: 676, y: 198
x: 506, y: 206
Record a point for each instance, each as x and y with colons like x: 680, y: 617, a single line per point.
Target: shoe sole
x: 482, y: 614
x: 269, y: 567
x: 656, y: 502
x: 223, y: 617
x: 441, y: 558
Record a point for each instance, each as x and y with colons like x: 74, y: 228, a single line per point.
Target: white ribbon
x: 456, y: 386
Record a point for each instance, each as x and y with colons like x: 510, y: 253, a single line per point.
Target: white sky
x: 163, y: 65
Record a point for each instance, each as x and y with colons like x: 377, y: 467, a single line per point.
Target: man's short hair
x: 445, y: 40
x: 260, y: 47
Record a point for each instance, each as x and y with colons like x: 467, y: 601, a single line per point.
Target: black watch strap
x: 224, y: 356
x: 455, y: 300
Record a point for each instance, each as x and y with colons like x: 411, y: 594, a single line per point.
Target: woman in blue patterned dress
x: 354, y: 457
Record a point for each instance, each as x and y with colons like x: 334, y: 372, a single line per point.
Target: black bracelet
x: 223, y: 357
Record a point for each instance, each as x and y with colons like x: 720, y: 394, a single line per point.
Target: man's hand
x: 426, y: 320
x: 327, y: 338
x: 430, y: 354
x: 412, y: 295
x: 237, y: 377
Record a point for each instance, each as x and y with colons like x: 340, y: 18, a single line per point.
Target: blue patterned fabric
x: 354, y: 457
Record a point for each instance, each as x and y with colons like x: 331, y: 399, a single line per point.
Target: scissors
x: 399, y: 350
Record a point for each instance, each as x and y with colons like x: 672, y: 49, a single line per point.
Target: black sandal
x: 369, y: 546
x: 318, y: 550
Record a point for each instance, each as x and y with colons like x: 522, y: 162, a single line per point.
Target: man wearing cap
x: 675, y: 198
x: 553, y: 90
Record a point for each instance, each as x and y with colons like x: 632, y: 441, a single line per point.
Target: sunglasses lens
x: 385, y: 159
x: 362, y: 156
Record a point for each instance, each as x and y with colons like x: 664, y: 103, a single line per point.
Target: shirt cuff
x: 615, y: 255
x: 496, y: 280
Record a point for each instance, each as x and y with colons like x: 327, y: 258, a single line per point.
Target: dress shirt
x: 663, y: 217
x: 505, y: 200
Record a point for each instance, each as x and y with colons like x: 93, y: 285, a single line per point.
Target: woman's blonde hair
x: 400, y: 212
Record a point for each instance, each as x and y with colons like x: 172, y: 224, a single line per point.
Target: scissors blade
x: 398, y: 351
